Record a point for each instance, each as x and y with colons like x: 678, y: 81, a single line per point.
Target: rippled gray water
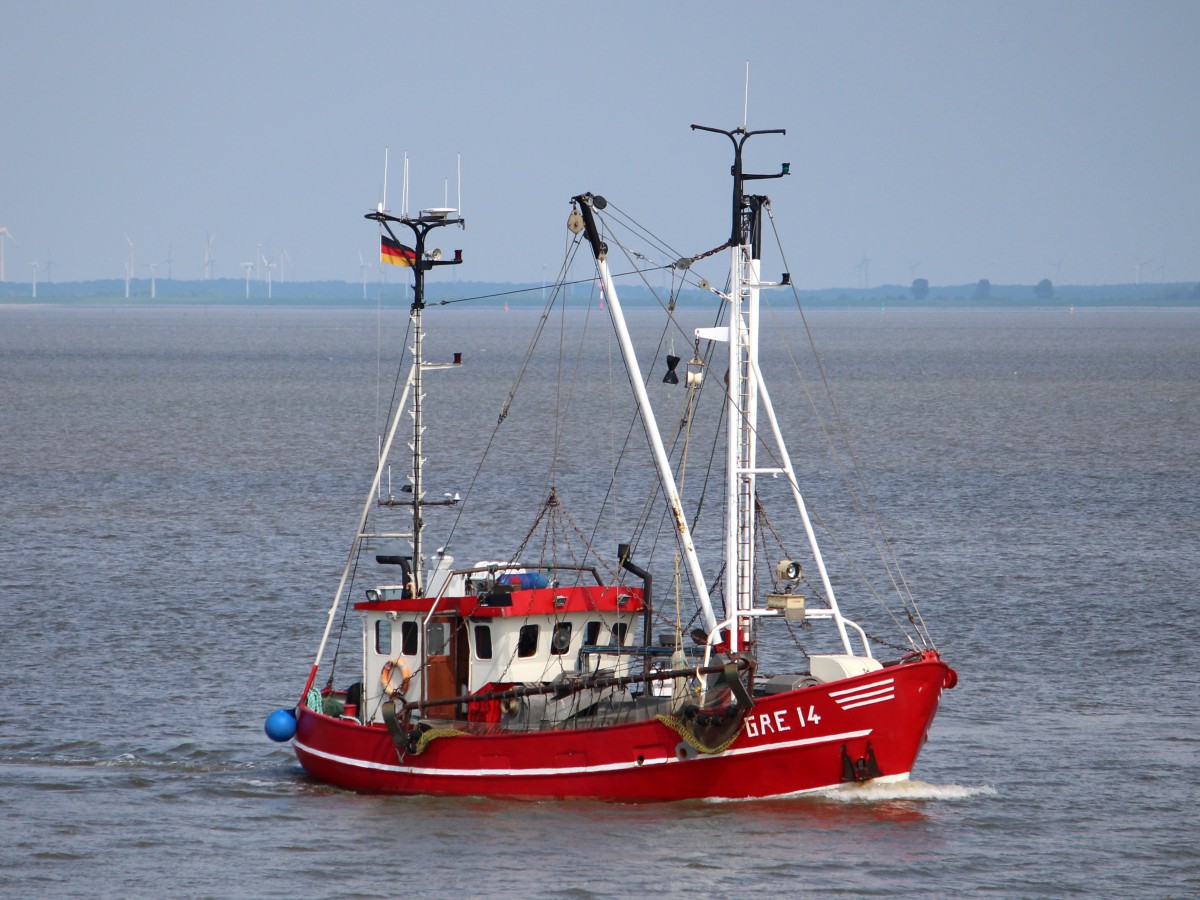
x: 177, y: 491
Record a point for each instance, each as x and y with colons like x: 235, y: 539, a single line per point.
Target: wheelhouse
x: 489, y: 628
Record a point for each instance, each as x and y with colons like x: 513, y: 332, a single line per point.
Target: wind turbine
x: 5, y: 234
x: 170, y: 260
x: 208, y: 258
x: 362, y: 271
x: 248, y: 266
x: 49, y: 271
x: 126, y: 265
x: 1138, y: 265
x: 132, y: 263
x: 1057, y: 266
x: 865, y: 267
x: 283, y: 254
x: 35, y: 271
x: 269, y: 266
x: 153, y: 289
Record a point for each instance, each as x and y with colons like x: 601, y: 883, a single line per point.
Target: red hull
x: 790, y: 743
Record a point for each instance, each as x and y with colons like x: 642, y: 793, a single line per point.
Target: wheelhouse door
x: 441, y: 658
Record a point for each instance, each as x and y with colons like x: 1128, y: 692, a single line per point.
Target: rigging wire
x: 856, y: 487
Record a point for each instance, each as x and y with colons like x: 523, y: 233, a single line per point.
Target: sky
x: 952, y: 141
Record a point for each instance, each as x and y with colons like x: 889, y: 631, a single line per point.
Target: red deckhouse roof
x: 535, y: 602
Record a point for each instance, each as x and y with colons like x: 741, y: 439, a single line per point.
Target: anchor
x: 862, y: 769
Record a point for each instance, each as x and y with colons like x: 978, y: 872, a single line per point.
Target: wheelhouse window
x: 591, y: 633
x: 560, y: 640
x: 483, y: 642
x: 408, y: 638
x: 527, y: 641
x: 383, y: 636
x: 437, y: 639
x: 618, y: 634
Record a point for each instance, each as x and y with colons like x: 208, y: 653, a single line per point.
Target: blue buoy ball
x: 280, y: 725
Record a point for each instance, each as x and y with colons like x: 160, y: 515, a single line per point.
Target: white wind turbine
x: 249, y: 267
x: 283, y: 255
x: 170, y: 261
x: 132, y: 250
x: 208, y: 258
x: 35, y: 274
x: 153, y: 289
x: 5, y: 234
x: 269, y: 266
x: 362, y: 271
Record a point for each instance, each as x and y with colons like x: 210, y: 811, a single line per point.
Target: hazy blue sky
x: 947, y: 140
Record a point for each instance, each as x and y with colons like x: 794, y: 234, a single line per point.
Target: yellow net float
x: 395, y: 676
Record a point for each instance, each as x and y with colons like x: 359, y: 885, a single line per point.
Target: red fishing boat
x: 548, y: 675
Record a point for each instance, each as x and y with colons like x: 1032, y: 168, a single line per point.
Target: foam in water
x: 906, y: 789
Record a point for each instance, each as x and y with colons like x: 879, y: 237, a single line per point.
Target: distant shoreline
x: 343, y: 294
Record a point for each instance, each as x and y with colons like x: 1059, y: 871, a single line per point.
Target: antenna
x: 459, y: 167
x: 746, y: 107
x: 383, y: 202
x: 404, y: 189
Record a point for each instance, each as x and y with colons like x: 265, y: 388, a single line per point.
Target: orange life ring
x: 395, y: 669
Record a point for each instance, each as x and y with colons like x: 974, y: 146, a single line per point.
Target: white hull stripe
x: 882, y: 699
x: 889, y: 683
x: 866, y: 694
x: 571, y: 770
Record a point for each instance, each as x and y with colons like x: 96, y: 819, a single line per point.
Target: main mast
x: 420, y: 262
x: 742, y: 399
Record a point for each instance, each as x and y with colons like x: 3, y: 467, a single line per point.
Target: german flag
x: 395, y: 253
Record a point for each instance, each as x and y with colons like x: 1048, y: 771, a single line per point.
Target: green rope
x: 677, y: 724
x: 427, y: 737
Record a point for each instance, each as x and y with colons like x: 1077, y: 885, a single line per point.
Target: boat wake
x: 880, y: 792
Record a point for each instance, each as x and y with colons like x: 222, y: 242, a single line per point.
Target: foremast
x: 420, y: 262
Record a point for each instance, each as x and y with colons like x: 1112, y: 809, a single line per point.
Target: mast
x: 747, y: 390
x: 420, y: 262
x: 742, y: 397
